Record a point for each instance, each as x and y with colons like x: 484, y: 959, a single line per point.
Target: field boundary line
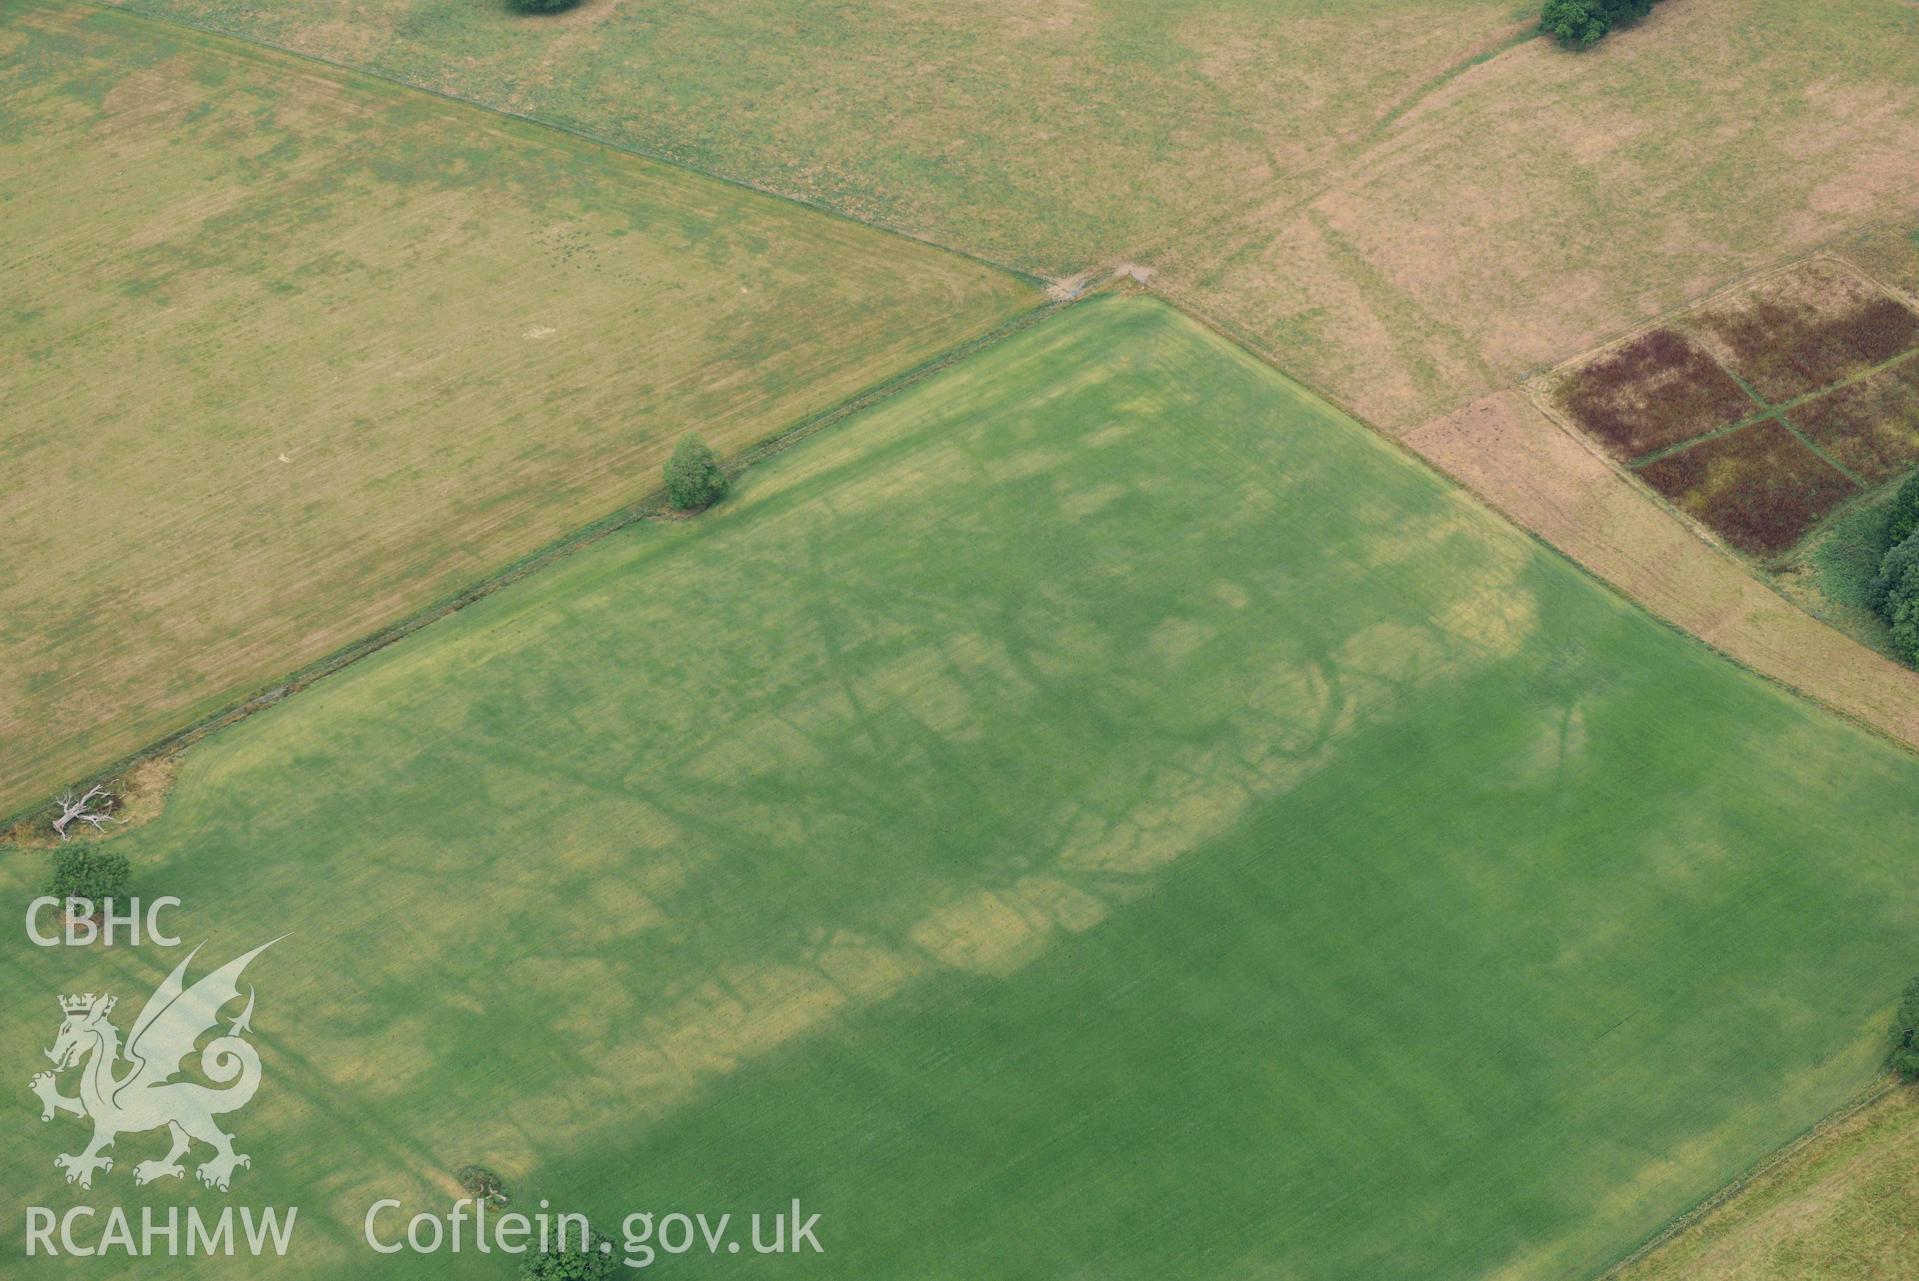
x: 1769, y: 412
x: 1703, y: 438
x: 1704, y: 533
x: 1903, y: 294
x: 1543, y: 403
x: 1765, y: 409
x: 1239, y: 338
x: 1700, y: 530
x: 1750, y: 568
x: 1247, y: 344
x: 651, y: 505
x: 132, y: 9
x: 1230, y: 332
x: 1832, y: 249
x: 1851, y: 503
x: 1851, y: 380
x: 1539, y: 386
x: 1680, y: 1223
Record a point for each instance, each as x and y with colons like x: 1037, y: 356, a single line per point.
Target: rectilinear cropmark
x: 1760, y: 487
x: 1657, y: 390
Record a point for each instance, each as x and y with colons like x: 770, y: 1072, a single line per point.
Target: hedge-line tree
x: 1902, y: 515
x: 1905, y: 1034
x: 571, y: 1263
x: 98, y: 875
x: 693, y: 476
x: 1895, y: 592
x: 1580, y: 24
x: 541, y: 6
x: 1895, y: 565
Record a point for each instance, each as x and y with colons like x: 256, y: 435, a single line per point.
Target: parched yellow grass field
x: 1409, y: 203
x: 1538, y: 202
x: 288, y: 354
x: 1413, y: 205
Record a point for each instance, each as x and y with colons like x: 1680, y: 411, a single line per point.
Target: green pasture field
x: 1100, y: 812
x: 1406, y: 202
x: 287, y: 354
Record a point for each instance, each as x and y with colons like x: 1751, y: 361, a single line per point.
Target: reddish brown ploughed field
x: 1657, y: 390
x: 1758, y: 487
x: 1871, y: 427
x: 1759, y: 412
x: 1805, y: 329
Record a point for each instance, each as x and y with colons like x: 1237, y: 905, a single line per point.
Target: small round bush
x: 482, y: 1184
x: 97, y: 875
x: 693, y: 477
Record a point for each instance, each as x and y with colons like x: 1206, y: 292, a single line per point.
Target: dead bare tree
x: 71, y: 809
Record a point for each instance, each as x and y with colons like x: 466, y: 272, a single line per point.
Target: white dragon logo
x: 145, y: 1096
